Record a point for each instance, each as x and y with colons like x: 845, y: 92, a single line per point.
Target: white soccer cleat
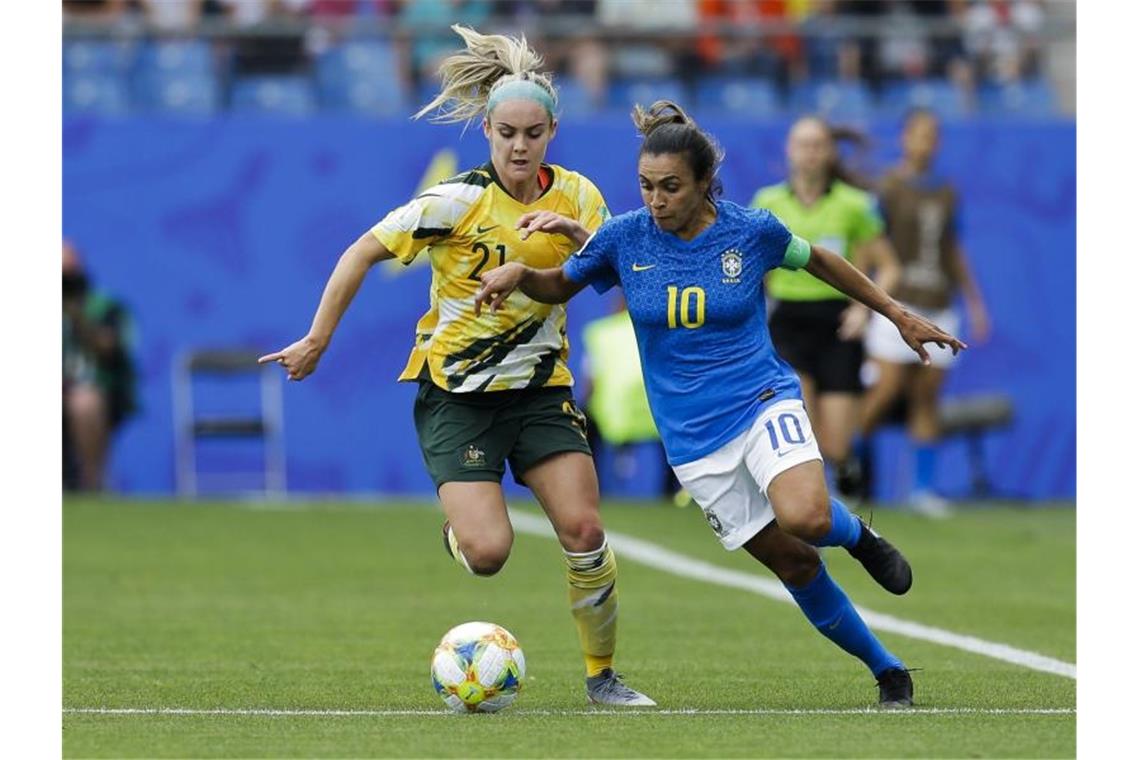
x: 930, y: 504
x: 607, y: 688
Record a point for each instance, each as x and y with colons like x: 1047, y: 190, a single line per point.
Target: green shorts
x: 470, y: 436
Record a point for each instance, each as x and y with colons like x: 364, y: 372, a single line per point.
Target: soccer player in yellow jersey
x: 495, y: 388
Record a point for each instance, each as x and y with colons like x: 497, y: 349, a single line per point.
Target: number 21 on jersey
x: 688, y: 308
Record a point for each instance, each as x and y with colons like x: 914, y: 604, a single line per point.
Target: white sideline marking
x: 660, y: 558
x: 272, y: 713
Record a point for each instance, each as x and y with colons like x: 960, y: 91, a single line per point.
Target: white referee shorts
x: 731, y: 484
x: 884, y: 343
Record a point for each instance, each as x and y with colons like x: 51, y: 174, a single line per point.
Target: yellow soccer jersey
x: 467, y: 223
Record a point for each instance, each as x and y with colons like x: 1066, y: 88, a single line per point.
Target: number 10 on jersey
x: 688, y: 309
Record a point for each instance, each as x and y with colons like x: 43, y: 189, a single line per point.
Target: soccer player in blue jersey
x: 729, y: 409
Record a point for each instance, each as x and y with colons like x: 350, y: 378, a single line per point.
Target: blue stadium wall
x: 222, y: 233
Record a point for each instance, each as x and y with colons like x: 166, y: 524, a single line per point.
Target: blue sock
x: 831, y: 612
x: 845, y: 527
x: 925, y: 457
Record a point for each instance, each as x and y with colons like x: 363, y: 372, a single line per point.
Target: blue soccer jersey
x: 698, y: 311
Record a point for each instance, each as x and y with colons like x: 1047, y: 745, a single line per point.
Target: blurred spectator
x: 745, y: 51
x: 430, y: 22
x: 656, y: 45
x: 1003, y: 38
x: 827, y: 53
x: 905, y: 52
x: 172, y: 16
x: 334, y: 20
x: 617, y: 408
x: 588, y: 66
x: 639, y: 42
x: 262, y: 47
x: 98, y: 375
x: 345, y: 10
x: 922, y: 221
x: 95, y: 10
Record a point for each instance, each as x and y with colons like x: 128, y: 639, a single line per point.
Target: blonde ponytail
x: 470, y: 76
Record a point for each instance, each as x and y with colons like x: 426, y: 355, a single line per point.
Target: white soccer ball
x: 478, y: 667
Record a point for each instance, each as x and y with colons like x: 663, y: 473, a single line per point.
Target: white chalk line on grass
x: 275, y: 713
x: 659, y: 558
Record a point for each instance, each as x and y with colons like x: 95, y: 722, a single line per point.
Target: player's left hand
x: 916, y: 330
x: 549, y: 222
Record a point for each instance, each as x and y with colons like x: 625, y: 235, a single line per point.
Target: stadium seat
x: 624, y: 93
x: 739, y: 96
x: 1032, y: 98
x: 834, y: 99
x: 200, y: 379
x: 281, y: 95
x: 182, y: 56
x: 973, y: 417
x: 96, y: 57
x: 95, y: 94
x: 187, y: 94
x: 361, y: 77
x: 937, y: 95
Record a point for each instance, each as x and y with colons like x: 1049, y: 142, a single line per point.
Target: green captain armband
x: 797, y: 254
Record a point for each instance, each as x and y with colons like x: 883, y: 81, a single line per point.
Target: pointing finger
x: 270, y: 357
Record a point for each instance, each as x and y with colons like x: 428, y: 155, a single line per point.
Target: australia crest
x: 473, y: 456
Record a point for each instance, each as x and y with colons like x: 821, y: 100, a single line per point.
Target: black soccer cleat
x: 882, y: 561
x: 896, y: 689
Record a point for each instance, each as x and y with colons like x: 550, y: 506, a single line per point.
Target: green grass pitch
x: 337, y: 607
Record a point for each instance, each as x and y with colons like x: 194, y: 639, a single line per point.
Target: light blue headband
x: 521, y: 88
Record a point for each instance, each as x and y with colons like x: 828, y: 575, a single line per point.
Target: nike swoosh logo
x: 642, y: 267
x: 481, y: 230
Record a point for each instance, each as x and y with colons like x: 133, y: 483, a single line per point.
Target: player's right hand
x: 498, y: 284
x: 299, y: 359
x: 916, y: 330
x: 547, y: 221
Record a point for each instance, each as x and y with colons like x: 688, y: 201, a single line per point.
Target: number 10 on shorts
x: 787, y: 427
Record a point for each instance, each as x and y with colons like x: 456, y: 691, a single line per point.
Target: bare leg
x: 922, y: 393
x: 90, y: 430
x: 477, y: 514
x: 835, y: 424
x: 800, y: 501
x: 793, y: 561
x: 566, y: 486
x: 879, y: 398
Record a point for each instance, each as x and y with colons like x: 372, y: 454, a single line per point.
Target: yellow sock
x: 593, y: 603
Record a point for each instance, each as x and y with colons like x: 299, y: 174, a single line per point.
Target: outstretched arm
x: 542, y: 285
x: 841, y: 275
x: 300, y: 359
